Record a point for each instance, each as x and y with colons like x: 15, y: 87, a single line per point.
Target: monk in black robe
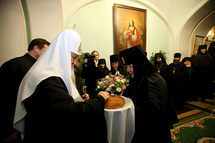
x: 154, y: 110
x: 204, y: 66
x: 49, y: 107
x: 53, y: 116
x: 103, y: 68
x: 161, y: 67
x: 116, y: 65
x: 211, y: 50
x: 190, y: 80
x: 11, y: 74
x: 177, y: 81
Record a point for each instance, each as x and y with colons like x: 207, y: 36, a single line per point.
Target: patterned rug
x: 195, y: 126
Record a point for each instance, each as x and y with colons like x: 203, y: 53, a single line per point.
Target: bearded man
x: 161, y: 67
x: 177, y: 81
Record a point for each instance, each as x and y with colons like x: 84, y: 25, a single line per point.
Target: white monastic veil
x: 55, y: 61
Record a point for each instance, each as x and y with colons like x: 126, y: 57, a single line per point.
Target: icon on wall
x: 129, y: 27
x: 198, y: 40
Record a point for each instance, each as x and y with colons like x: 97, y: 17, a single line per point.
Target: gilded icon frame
x: 197, y: 41
x: 129, y: 25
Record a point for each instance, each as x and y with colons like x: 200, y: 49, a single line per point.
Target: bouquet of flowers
x: 113, y: 83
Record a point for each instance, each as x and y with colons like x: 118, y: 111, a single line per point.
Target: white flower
x: 117, y: 72
x: 107, y: 77
x: 109, y: 89
x: 99, y: 83
x: 123, y: 80
x: 98, y: 87
x: 118, y: 89
x: 118, y: 80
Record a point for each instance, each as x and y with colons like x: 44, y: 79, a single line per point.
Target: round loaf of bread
x: 115, y: 102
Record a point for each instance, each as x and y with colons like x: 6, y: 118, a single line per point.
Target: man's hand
x: 104, y: 94
x: 86, y: 96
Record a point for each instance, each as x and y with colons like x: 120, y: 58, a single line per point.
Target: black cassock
x: 53, y: 116
x: 11, y: 74
x: 91, y: 74
x: 204, y: 67
x: 154, y: 110
x: 163, y: 70
x: 104, y: 71
x: 177, y: 83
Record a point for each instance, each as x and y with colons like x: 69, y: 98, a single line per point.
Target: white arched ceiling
x: 198, y: 24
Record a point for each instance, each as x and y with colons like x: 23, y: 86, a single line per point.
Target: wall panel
x: 12, y: 37
x: 45, y: 18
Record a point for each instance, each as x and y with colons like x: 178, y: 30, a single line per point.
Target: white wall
x: 12, y: 37
x: 45, y: 18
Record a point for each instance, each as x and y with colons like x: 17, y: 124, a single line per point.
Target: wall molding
x: 26, y: 22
